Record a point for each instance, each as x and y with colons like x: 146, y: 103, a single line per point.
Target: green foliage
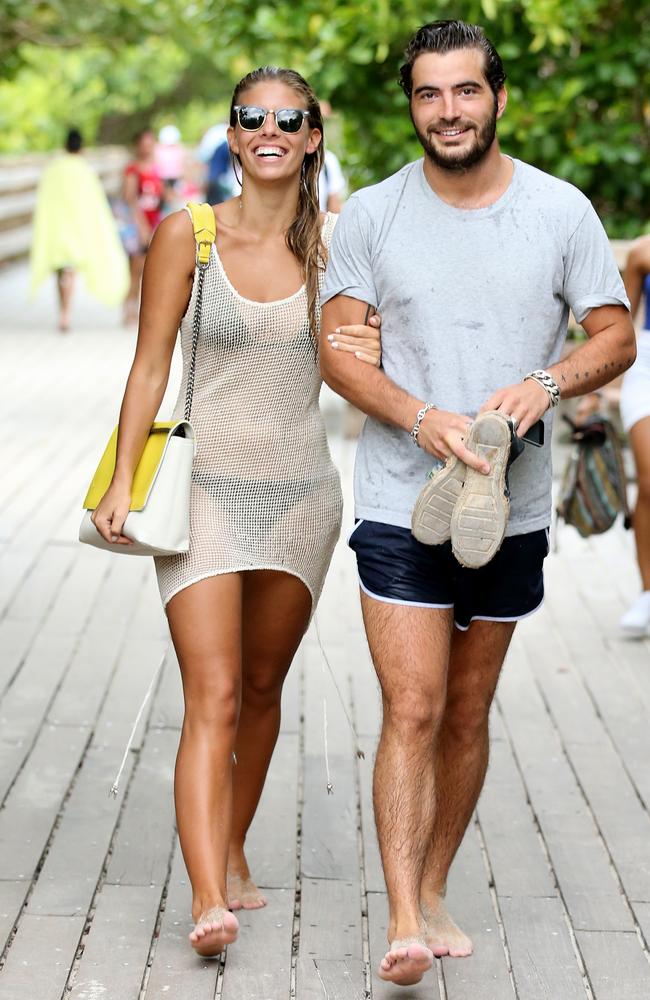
x: 578, y: 77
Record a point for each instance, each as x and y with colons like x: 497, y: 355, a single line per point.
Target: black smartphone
x: 535, y: 434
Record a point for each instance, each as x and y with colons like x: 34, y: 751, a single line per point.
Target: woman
x: 266, y: 501
x: 69, y: 194
x: 635, y: 413
x: 143, y: 195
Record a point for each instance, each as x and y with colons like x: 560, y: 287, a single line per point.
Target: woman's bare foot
x: 214, y: 929
x: 243, y: 894
x: 406, y: 961
x: 443, y: 936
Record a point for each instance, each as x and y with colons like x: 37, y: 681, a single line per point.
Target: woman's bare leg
x: 65, y: 279
x: 205, y: 623
x: 276, y: 609
x: 640, y: 441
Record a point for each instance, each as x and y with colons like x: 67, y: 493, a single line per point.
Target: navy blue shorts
x: 397, y: 569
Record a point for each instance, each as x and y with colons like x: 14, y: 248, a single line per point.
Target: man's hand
x: 443, y: 434
x: 525, y: 401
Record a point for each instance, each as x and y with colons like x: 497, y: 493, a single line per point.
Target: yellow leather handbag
x: 158, y: 521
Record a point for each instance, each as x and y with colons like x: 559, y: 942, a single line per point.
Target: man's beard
x: 452, y: 160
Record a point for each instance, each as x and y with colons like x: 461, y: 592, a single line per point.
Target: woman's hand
x: 110, y: 514
x: 362, y: 341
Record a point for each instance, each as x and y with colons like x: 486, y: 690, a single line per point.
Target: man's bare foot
x: 213, y: 931
x: 406, y: 961
x: 442, y: 935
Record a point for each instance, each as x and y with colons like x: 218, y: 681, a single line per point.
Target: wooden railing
x: 19, y: 177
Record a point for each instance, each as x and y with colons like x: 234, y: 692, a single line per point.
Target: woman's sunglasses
x: 251, y: 118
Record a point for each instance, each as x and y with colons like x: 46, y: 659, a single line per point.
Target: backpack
x: 594, y: 488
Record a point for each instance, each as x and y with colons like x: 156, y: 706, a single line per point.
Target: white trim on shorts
x: 461, y: 628
x: 393, y: 600
x: 488, y: 618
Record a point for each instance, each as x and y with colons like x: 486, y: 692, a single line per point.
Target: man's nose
x: 449, y: 109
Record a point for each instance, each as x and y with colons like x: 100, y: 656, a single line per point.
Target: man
x: 473, y: 260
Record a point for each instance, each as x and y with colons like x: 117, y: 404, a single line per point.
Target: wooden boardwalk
x: 553, y: 878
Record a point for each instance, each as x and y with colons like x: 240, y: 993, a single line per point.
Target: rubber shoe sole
x: 480, y: 517
x: 431, y: 519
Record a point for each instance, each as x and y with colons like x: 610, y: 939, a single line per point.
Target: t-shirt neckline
x: 474, y: 213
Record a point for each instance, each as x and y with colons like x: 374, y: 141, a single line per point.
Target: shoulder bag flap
x: 147, y: 468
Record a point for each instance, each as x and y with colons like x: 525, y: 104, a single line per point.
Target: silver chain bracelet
x: 547, y: 382
x: 415, y: 432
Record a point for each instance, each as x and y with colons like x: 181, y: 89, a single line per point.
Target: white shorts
x: 635, y: 391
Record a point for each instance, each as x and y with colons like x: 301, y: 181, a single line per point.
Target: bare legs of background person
x: 636, y: 621
x: 132, y: 300
x: 65, y: 282
x: 410, y: 651
x: 461, y: 760
x: 215, y: 652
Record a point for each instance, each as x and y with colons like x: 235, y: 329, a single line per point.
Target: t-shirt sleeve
x: 349, y: 268
x: 591, y: 277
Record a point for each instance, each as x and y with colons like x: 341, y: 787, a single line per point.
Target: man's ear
x: 502, y: 100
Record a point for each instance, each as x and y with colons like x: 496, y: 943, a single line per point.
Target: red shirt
x: 150, y: 190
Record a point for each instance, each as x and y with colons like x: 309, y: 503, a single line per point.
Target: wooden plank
x: 40, y: 957
x: 427, y: 989
x: 642, y: 915
x: 579, y: 857
x: 372, y: 866
x: 258, y: 966
x: 485, y: 977
x: 24, y: 706
x: 271, y: 842
x: 177, y: 973
x: 544, y: 963
x: 142, y: 848
x: 167, y: 710
x: 618, y: 968
x: 12, y: 897
x: 116, y: 947
x: 512, y: 842
x: 71, y: 870
x: 330, y: 952
x: 139, y: 659
x: 34, y: 801
x: 330, y: 821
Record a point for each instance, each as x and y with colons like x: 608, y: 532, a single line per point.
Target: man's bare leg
x: 410, y: 651
x: 461, y: 763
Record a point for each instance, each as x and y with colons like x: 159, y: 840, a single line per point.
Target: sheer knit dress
x: 265, y: 493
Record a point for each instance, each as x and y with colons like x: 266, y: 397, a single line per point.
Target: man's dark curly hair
x: 447, y: 36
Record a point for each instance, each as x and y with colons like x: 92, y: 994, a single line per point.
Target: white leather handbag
x: 158, y: 521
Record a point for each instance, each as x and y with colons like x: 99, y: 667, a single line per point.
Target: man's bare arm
x: 371, y: 390
x: 611, y: 349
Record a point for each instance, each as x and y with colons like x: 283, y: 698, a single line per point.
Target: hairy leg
x: 640, y: 441
x: 410, y: 651
x: 461, y: 761
x: 276, y: 609
x: 205, y: 623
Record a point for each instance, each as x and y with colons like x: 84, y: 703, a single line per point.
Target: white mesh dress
x: 265, y: 493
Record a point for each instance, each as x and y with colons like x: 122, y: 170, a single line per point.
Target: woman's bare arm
x: 166, y: 290
x: 636, y: 268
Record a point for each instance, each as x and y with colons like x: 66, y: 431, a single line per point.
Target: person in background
x: 635, y: 414
x: 331, y: 180
x: 143, y: 193
x: 171, y: 160
x: 214, y: 152
x: 74, y: 230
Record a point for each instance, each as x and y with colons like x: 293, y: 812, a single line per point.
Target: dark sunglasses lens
x: 289, y: 120
x: 251, y: 118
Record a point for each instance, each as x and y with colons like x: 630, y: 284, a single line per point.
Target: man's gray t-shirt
x: 470, y: 301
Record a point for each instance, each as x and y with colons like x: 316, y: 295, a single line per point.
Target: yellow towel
x: 74, y: 227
